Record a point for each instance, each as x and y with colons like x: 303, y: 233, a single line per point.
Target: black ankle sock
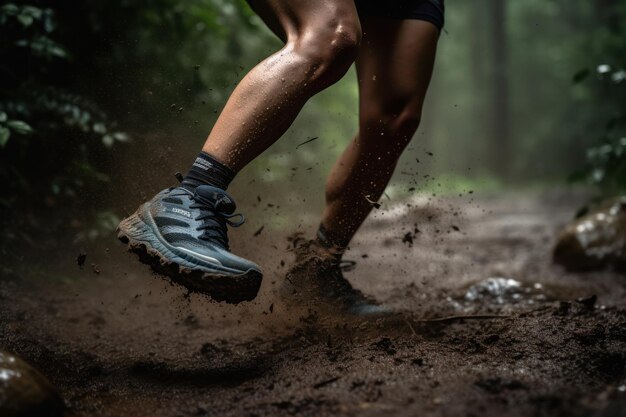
x: 207, y: 170
x: 333, y: 243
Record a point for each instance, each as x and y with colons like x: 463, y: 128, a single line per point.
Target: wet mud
x: 490, y: 327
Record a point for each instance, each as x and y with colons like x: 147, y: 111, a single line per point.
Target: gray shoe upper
x: 195, y: 224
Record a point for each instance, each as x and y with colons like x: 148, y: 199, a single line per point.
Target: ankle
x: 329, y: 245
x: 208, y: 171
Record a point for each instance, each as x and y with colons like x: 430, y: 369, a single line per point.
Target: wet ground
x: 492, y: 327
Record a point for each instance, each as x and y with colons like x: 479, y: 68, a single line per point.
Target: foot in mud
x: 317, y: 280
x: 183, y: 234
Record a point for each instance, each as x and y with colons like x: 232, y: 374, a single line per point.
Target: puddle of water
x: 505, y: 291
x: 500, y: 292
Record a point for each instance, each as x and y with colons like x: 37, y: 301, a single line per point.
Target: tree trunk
x: 500, y: 151
x: 480, y: 76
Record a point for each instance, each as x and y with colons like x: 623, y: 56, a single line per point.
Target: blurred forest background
x: 101, y: 102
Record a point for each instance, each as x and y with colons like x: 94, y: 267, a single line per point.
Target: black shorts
x: 430, y: 10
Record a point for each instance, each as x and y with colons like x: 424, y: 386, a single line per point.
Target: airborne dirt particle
x: 80, y: 259
x: 372, y: 202
x: 408, y: 239
x: 307, y: 141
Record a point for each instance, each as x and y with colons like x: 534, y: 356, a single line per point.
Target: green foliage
x: 132, y: 58
x: 99, y: 228
x: 606, y: 166
x: 36, y: 25
x: 86, y: 76
x: 602, y: 92
x: 51, y: 138
x: 551, y: 124
x: 7, y: 126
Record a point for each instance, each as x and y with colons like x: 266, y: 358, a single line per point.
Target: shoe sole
x: 220, y: 286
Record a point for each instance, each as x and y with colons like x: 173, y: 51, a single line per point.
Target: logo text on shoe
x: 223, y: 199
x: 181, y: 211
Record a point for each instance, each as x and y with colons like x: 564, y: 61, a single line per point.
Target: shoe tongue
x: 215, y: 197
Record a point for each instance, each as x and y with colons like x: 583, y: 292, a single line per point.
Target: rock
x: 588, y: 302
x: 24, y: 392
x: 386, y: 345
x: 596, y: 240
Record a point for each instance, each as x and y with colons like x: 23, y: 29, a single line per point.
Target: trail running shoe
x: 183, y: 235
x: 317, y: 279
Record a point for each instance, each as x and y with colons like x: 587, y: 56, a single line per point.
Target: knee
x: 328, y: 49
x: 389, y: 125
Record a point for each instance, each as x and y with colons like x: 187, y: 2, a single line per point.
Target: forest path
x: 122, y: 343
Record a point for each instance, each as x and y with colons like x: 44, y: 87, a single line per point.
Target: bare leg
x: 182, y: 231
x: 394, y: 68
x: 322, y: 38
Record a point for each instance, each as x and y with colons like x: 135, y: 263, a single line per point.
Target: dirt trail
x: 122, y: 343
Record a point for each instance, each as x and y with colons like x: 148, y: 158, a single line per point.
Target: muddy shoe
x: 317, y: 280
x: 183, y: 234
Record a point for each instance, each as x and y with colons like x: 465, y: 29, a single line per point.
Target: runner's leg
x: 321, y: 41
x: 394, y: 67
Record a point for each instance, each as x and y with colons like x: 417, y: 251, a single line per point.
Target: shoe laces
x: 214, y: 221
